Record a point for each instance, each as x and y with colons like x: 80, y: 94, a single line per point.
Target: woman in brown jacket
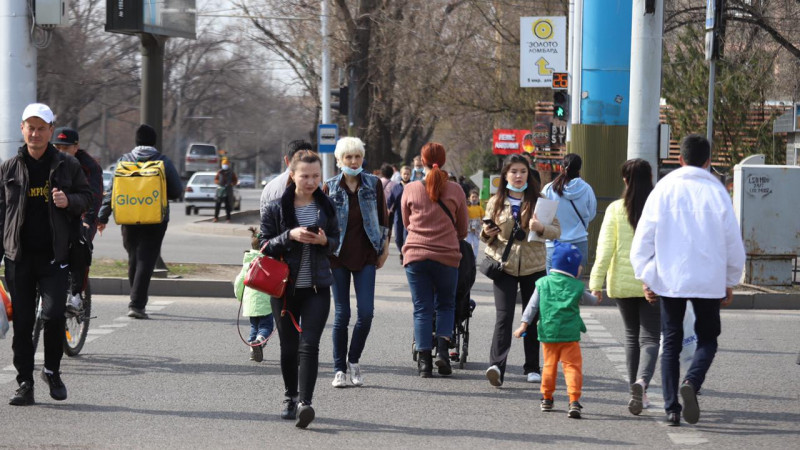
x: 511, y: 213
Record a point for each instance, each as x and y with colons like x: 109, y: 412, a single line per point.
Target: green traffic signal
x: 560, y: 104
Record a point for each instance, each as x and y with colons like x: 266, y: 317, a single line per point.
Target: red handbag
x: 267, y: 275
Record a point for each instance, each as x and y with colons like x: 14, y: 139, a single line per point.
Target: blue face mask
x: 518, y: 190
x: 351, y: 172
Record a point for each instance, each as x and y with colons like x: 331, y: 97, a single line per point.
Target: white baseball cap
x: 39, y: 110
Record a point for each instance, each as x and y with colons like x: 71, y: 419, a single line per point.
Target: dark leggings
x: 310, y: 308
x: 642, y: 335
x: 143, y: 244
x: 505, y: 300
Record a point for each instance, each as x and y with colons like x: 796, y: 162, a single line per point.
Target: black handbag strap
x: 579, y: 214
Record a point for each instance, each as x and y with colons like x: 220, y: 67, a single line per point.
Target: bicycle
x: 77, y: 325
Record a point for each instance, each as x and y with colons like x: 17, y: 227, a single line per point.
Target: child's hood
x: 250, y: 255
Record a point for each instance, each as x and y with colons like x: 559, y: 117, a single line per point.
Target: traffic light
x: 560, y: 105
x: 344, y: 100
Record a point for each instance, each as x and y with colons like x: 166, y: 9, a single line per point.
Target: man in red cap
x: 66, y: 140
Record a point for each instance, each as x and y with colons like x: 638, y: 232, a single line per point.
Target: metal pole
x: 325, y: 91
x: 712, y: 75
x: 645, y: 90
x: 576, y: 65
x: 152, y: 94
x: 17, y: 73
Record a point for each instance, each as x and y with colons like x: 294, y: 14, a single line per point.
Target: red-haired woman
x: 431, y: 255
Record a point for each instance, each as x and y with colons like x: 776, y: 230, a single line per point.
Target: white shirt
x: 273, y: 190
x: 688, y: 243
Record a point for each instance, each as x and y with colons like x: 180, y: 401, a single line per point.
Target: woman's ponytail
x: 433, y: 156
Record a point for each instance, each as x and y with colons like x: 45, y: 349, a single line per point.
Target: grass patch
x: 118, y: 268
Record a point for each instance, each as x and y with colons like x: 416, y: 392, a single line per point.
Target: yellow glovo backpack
x: 138, y: 193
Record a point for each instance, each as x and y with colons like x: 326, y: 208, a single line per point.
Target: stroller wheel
x: 463, y: 362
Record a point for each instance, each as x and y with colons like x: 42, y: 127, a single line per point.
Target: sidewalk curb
x: 222, y: 288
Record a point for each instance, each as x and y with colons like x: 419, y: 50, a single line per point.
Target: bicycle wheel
x: 39, y: 324
x: 77, y: 326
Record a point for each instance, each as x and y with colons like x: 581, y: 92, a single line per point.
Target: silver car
x: 201, y: 192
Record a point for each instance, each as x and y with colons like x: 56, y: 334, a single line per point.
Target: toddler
x: 556, y: 297
x: 475, y: 212
x: 256, y: 305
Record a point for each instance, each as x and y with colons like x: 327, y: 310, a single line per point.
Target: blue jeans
x: 364, y: 283
x: 261, y: 325
x: 707, y: 326
x: 583, y: 246
x: 433, y: 287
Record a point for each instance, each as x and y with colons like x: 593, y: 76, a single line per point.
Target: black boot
x: 443, y: 356
x: 425, y: 364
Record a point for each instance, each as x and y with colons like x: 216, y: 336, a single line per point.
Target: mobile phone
x: 313, y: 228
x: 490, y: 223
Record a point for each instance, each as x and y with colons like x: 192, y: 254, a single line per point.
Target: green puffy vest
x: 559, y: 314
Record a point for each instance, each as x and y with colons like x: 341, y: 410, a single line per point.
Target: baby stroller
x: 459, y: 342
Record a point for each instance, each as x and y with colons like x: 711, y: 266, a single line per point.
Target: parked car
x: 247, y: 180
x: 200, y: 157
x: 201, y: 192
x: 108, y: 177
x: 268, y: 178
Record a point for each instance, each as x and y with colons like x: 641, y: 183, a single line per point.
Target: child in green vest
x: 256, y: 305
x: 556, y: 297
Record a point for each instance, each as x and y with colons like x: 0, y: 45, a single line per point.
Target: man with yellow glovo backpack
x: 144, y: 181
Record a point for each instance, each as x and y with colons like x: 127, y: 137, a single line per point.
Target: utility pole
x: 325, y: 91
x: 152, y: 96
x: 645, y: 90
x: 17, y: 72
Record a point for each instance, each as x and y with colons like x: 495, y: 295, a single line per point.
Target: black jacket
x: 279, y: 218
x: 94, y: 176
x: 65, y: 174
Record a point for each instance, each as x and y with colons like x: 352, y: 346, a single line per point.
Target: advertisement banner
x: 507, y: 142
x: 542, y: 50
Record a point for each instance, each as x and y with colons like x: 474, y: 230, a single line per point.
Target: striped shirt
x: 306, y: 216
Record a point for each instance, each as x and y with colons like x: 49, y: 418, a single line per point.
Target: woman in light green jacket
x: 641, y: 318
x: 255, y: 304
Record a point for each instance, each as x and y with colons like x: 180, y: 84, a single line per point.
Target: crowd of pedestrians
x: 659, y: 247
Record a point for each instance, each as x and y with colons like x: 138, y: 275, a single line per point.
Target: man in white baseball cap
x: 43, y: 194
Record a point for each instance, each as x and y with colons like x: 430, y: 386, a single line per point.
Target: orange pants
x: 569, y: 353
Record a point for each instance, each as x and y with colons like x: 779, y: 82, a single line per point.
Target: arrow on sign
x: 543, y: 69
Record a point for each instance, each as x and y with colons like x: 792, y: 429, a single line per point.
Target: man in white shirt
x: 275, y: 188
x: 688, y: 247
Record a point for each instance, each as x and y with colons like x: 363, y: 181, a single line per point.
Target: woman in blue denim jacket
x: 362, y: 249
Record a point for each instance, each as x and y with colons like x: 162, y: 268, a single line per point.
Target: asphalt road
x: 183, y: 380
x: 181, y: 245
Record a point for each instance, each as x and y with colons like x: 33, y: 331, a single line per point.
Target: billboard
x: 171, y: 18
x: 542, y: 50
x: 507, y: 142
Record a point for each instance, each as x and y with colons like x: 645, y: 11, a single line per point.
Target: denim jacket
x: 367, y: 199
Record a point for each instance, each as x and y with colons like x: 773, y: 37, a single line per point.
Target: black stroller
x: 459, y: 343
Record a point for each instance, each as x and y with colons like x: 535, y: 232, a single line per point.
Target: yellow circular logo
x: 543, y: 29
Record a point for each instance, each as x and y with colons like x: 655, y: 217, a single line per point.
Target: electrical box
x: 51, y: 13
x: 765, y: 202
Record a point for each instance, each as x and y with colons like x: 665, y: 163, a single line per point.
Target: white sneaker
x: 74, y: 304
x: 493, y: 375
x: 355, y: 374
x: 534, y: 377
x: 339, y: 380
x: 645, y: 401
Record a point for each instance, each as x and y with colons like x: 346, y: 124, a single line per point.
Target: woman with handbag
x: 577, y: 206
x: 431, y: 256
x: 513, y: 262
x: 362, y: 248
x: 641, y: 317
x: 301, y: 228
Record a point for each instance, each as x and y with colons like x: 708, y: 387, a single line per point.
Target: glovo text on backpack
x: 138, y: 194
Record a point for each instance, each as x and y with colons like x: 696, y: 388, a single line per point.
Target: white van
x: 201, y: 157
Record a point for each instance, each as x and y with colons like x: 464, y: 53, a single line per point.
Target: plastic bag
x: 5, y: 299
x: 3, y: 323
x: 689, y: 338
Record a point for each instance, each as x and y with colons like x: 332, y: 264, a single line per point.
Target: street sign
x: 327, y: 135
x: 542, y: 50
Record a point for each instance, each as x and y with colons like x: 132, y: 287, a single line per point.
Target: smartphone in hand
x: 313, y: 228
x: 490, y: 223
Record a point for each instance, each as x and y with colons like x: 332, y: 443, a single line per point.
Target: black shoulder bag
x: 493, y: 268
x: 466, y: 267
